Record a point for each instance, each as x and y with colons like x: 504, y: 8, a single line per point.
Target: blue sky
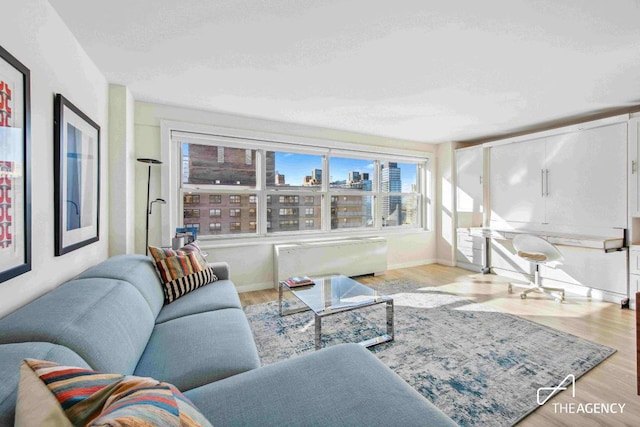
x: 296, y: 166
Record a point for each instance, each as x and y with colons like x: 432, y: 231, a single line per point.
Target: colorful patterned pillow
x: 176, y: 266
x: 193, y: 247
x: 63, y: 395
x: 181, y: 271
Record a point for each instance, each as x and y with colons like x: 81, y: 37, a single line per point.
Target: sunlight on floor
x: 479, y: 307
x: 425, y: 299
x: 540, y: 305
x: 491, y: 291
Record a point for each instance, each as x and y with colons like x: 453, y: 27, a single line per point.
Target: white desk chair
x: 538, y: 252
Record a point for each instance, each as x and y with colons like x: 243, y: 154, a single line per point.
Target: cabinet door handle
x: 542, y: 182
x: 634, y: 167
x: 480, y: 179
x: 547, y: 183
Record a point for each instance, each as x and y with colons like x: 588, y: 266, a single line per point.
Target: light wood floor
x: 613, y: 381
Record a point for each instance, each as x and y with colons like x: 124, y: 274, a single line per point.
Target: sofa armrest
x: 220, y: 269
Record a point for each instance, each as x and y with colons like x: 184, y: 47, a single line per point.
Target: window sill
x: 240, y: 241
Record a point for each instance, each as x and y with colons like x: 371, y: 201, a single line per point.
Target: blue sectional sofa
x: 112, y: 318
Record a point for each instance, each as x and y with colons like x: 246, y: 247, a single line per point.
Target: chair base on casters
x: 555, y: 293
x: 537, y: 251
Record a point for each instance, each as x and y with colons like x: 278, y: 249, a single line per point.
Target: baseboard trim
x: 410, y: 264
x: 254, y: 287
x: 469, y: 266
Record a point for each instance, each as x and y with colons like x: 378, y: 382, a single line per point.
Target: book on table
x: 296, y: 281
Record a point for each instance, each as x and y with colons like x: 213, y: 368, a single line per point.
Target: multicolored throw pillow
x: 190, y: 248
x: 52, y: 394
x: 176, y: 266
x: 181, y: 271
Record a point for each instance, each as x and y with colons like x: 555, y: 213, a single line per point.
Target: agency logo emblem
x: 568, y: 382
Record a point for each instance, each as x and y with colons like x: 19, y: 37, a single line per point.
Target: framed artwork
x: 76, y: 176
x: 15, y: 172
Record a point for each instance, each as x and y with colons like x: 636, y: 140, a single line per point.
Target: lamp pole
x: 148, y: 207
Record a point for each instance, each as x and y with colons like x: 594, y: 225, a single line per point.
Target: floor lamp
x: 150, y: 162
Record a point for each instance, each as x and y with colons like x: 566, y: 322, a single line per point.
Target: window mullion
x: 377, y: 200
x: 326, y: 196
x: 261, y: 176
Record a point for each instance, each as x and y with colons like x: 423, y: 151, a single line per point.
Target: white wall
x: 252, y: 265
x: 445, y: 221
x: 122, y: 169
x: 33, y: 33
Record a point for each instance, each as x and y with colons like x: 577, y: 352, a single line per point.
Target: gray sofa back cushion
x: 139, y: 270
x: 11, y: 355
x: 106, y: 322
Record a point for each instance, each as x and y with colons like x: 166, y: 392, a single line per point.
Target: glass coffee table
x: 336, y: 294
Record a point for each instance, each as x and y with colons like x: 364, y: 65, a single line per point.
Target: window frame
x: 173, y: 133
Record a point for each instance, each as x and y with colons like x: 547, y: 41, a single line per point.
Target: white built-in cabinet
x: 470, y: 249
x: 634, y: 207
x: 574, y: 179
x: 517, y: 181
x: 469, y: 180
x: 634, y: 167
x: 566, y: 184
x: 634, y: 274
x: 587, y: 176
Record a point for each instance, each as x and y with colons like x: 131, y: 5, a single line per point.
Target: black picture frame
x: 15, y: 167
x: 76, y: 177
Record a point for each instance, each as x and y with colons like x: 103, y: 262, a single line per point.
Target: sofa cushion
x: 343, y: 385
x: 72, y: 395
x: 191, y: 248
x: 138, y: 270
x: 195, y: 247
x: 221, y: 294
x: 11, y: 355
x: 194, y: 350
x: 106, y: 322
x: 174, y: 267
x: 181, y: 271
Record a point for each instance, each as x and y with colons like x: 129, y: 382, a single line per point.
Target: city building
x: 391, y: 182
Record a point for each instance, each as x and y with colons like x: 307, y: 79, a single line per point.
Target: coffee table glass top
x: 337, y: 293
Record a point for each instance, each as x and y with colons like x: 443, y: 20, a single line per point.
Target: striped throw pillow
x: 193, y: 247
x: 91, y: 398
x: 181, y: 272
x: 176, y: 288
x: 174, y: 267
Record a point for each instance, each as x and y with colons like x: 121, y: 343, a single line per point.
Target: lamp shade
x: 149, y: 161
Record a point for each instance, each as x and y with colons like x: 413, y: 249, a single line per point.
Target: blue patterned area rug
x: 480, y: 366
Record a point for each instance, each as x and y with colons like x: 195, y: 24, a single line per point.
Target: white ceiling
x: 427, y: 71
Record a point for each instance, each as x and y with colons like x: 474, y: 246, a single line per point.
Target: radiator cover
x: 351, y: 257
